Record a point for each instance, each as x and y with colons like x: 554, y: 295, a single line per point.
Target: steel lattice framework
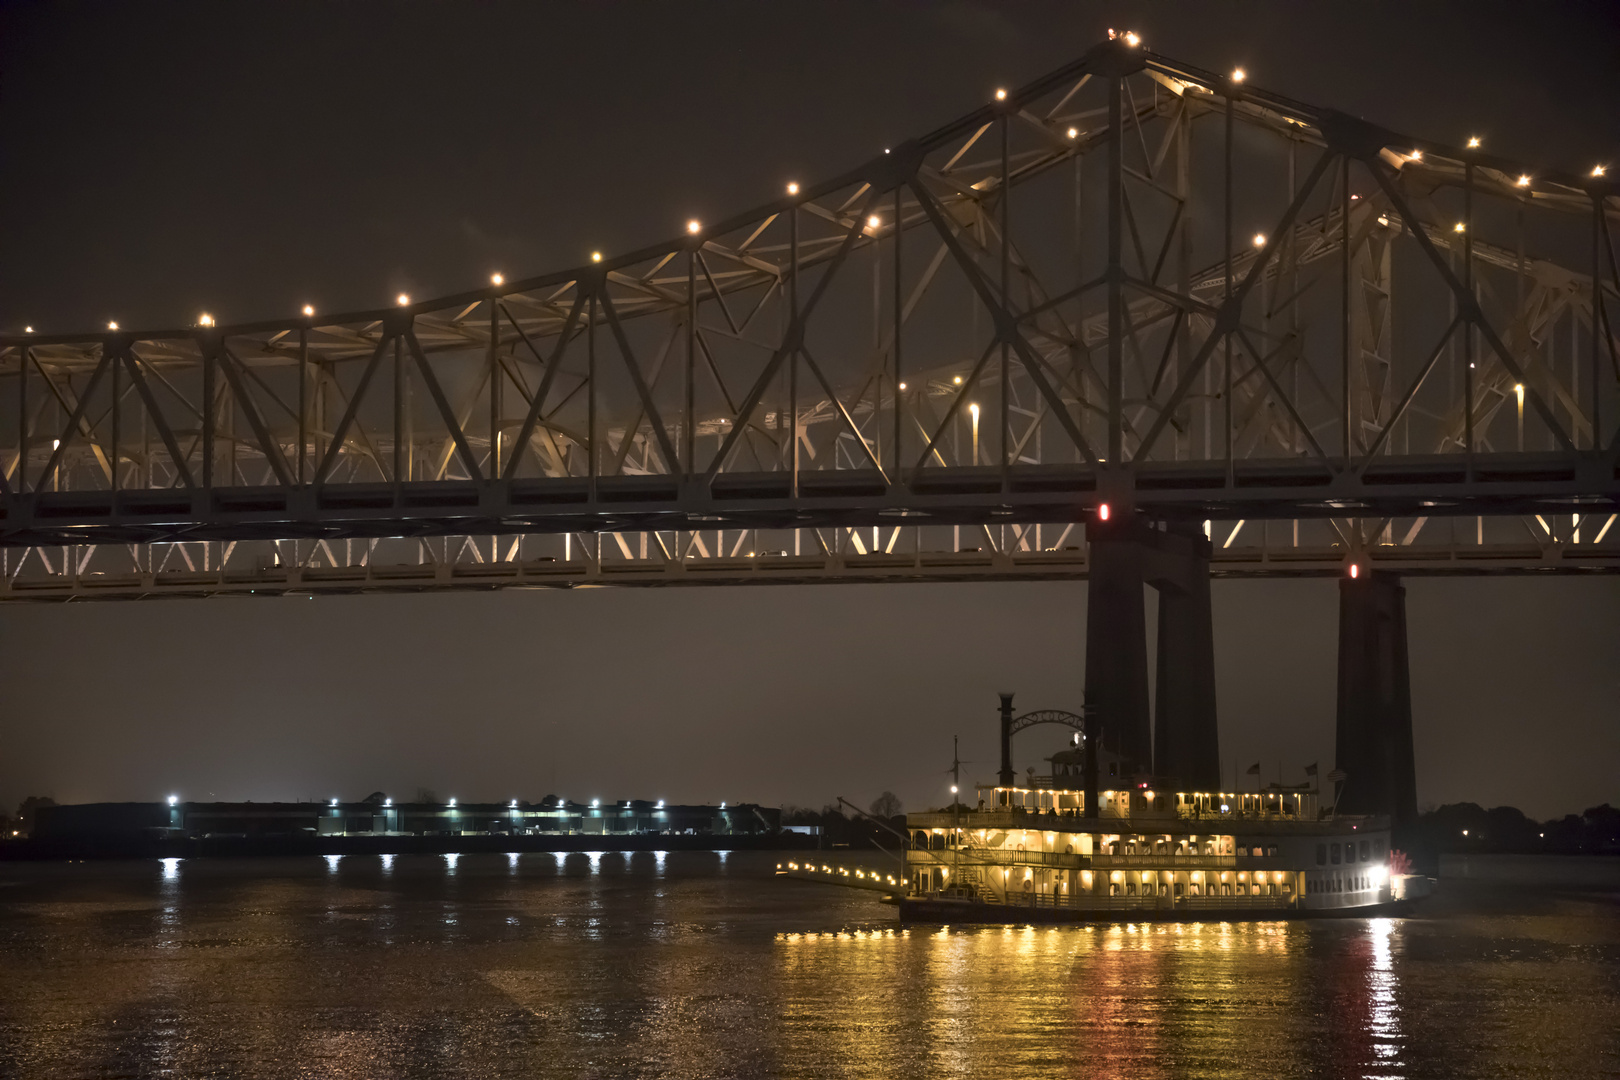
x: 1132, y: 282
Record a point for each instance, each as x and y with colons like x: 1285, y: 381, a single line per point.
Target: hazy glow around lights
x: 403, y: 299
x: 694, y: 226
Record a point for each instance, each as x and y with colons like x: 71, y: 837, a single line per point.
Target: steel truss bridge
x: 1130, y: 282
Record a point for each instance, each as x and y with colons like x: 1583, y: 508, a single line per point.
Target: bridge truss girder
x: 1131, y: 281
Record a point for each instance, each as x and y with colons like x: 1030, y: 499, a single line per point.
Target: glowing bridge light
x: 452, y: 803
x: 309, y: 309
x: 974, y: 409
x: 1473, y: 142
x: 957, y: 380
x: 902, y: 386
x: 1259, y: 239
x: 1523, y: 180
x: 660, y: 804
x: 793, y: 188
x: 1102, y: 512
x: 388, y: 802
x: 174, y: 800
x: 953, y: 789
x: 112, y: 326
x: 596, y: 256
x: 28, y: 329
x: 1598, y: 170
x: 1238, y: 74
x: 694, y: 226
x: 1001, y: 95
x: 1460, y: 227
x: 1132, y: 39
x: 512, y: 804
x: 1073, y: 133
x: 402, y: 299
x: 205, y: 319
x: 1415, y: 155
x: 1355, y: 570
x: 496, y: 279
x: 874, y: 222
x: 594, y: 803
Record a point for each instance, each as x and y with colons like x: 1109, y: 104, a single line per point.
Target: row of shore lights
x: 513, y: 805
x: 874, y: 222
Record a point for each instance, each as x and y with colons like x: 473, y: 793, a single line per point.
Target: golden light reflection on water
x: 679, y: 968
x: 1024, y: 1001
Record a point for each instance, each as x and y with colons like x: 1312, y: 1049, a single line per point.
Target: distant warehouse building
x: 381, y: 816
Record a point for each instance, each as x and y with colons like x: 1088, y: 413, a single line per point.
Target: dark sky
x: 160, y: 160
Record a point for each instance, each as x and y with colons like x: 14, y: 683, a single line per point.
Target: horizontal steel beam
x: 1437, y: 561
x: 1433, y: 486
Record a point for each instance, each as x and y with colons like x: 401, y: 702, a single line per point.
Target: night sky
x: 161, y: 160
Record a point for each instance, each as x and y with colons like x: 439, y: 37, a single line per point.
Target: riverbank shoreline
x: 60, y: 849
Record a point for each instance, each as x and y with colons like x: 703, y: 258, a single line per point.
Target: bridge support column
x: 1373, y: 744
x: 1186, y: 741
x: 1116, y: 641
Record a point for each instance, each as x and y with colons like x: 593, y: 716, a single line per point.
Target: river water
x: 703, y: 965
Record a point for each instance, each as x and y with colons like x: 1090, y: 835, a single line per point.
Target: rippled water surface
x: 702, y: 965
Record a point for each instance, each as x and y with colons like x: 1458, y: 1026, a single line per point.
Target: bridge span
x: 1131, y: 283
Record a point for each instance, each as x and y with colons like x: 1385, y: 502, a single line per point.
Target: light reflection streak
x: 388, y: 864
x: 596, y: 860
x: 171, y: 869
x: 1384, y: 1023
x: 450, y: 859
x: 332, y: 863
x: 562, y: 860
x: 658, y: 862
x: 512, y: 861
x: 723, y: 855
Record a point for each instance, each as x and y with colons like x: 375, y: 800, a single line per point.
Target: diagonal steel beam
x: 1228, y: 316
x: 1466, y: 304
x: 446, y: 413
x: 76, y: 420
x: 792, y: 340
x: 1006, y: 326
x: 267, y: 444
x: 341, y: 432
x: 666, y: 446
x: 526, y: 432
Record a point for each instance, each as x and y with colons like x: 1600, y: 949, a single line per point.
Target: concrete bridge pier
x: 1116, y: 640
x: 1186, y: 740
x: 1373, y: 740
x: 1182, y: 739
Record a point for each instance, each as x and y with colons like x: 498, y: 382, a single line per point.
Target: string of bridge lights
x: 1131, y: 39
